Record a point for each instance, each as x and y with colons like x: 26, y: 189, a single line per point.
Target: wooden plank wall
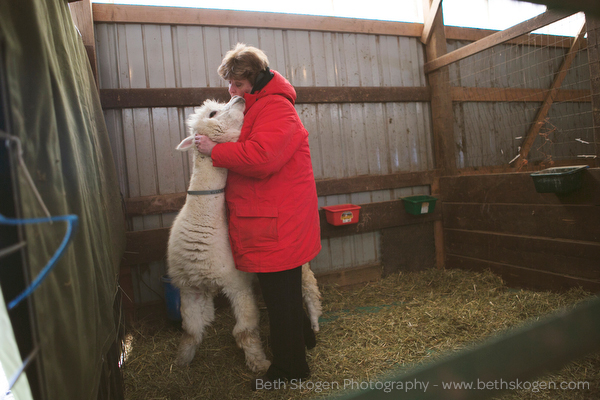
x: 533, y: 240
x: 146, y: 100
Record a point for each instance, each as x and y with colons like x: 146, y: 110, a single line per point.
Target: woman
x: 272, y: 202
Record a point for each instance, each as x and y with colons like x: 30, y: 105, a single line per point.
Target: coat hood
x: 277, y: 86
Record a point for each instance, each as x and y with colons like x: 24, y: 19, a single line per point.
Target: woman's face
x: 239, y: 87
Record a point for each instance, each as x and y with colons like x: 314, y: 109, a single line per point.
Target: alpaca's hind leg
x: 312, y: 296
x: 197, y: 312
x: 246, y: 331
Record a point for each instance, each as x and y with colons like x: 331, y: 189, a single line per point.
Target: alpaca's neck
x: 205, y: 176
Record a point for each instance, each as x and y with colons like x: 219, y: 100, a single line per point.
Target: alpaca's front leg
x: 197, y: 312
x: 246, y: 330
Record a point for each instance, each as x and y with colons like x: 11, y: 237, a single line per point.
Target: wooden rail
x: 187, y: 97
x: 151, y: 245
x: 497, y: 38
x: 117, y: 13
x: 190, y: 97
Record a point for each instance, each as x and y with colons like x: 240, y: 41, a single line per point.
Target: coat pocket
x: 256, y: 227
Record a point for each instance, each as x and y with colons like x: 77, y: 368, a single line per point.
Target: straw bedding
x: 366, y: 332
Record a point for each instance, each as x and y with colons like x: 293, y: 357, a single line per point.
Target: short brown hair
x: 243, y: 62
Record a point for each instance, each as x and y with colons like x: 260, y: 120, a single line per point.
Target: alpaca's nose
x: 237, y: 99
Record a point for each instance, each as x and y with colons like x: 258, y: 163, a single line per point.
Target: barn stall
x: 394, y: 110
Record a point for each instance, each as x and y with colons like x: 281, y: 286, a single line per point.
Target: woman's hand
x: 204, y: 144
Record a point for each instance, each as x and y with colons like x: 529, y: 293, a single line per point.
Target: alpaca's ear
x: 186, y: 144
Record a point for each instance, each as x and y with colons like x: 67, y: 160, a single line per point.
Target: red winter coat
x: 271, y: 193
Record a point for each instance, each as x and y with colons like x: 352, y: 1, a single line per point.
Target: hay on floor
x: 366, y: 332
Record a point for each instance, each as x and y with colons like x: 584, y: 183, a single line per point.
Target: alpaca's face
x: 230, y: 115
x: 220, y: 122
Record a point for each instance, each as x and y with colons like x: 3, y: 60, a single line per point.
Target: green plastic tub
x: 558, y: 179
x: 417, y: 205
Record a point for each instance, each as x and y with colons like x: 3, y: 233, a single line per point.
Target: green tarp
x: 55, y: 111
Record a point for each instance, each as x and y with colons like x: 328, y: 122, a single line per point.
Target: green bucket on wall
x: 417, y: 205
x: 558, y: 179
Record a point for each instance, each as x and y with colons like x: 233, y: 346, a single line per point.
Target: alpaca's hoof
x: 259, y: 365
x: 315, y: 326
x: 183, y: 360
x: 186, y: 353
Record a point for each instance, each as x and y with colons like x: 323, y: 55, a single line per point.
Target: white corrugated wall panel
x: 346, y: 139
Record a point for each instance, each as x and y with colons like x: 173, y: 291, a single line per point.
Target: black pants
x: 288, y: 323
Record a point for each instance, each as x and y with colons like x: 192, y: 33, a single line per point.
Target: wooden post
x: 441, y: 99
x: 429, y: 19
x: 438, y: 229
x: 593, y: 29
x: 441, y: 113
x: 81, y: 12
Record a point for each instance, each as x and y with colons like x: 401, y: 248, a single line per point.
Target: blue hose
x: 72, y: 221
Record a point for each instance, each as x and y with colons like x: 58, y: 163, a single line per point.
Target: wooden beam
x: 495, y: 187
x: 158, y: 204
x: 367, y: 183
x: 188, y: 97
x: 166, y: 203
x: 81, y: 13
x: 438, y: 229
x: 568, y: 222
x: 533, y: 39
x: 169, y: 97
x: 442, y: 112
x: 151, y: 245
x: 433, y: 10
x: 500, y: 37
x: 377, y: 216
x: 377, y: 94
x: 249, y: 19
x: 442, y: 116
x: 542, y: 113
x: 113, y: 13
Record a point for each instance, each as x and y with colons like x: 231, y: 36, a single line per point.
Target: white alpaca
x: 199, y: 258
